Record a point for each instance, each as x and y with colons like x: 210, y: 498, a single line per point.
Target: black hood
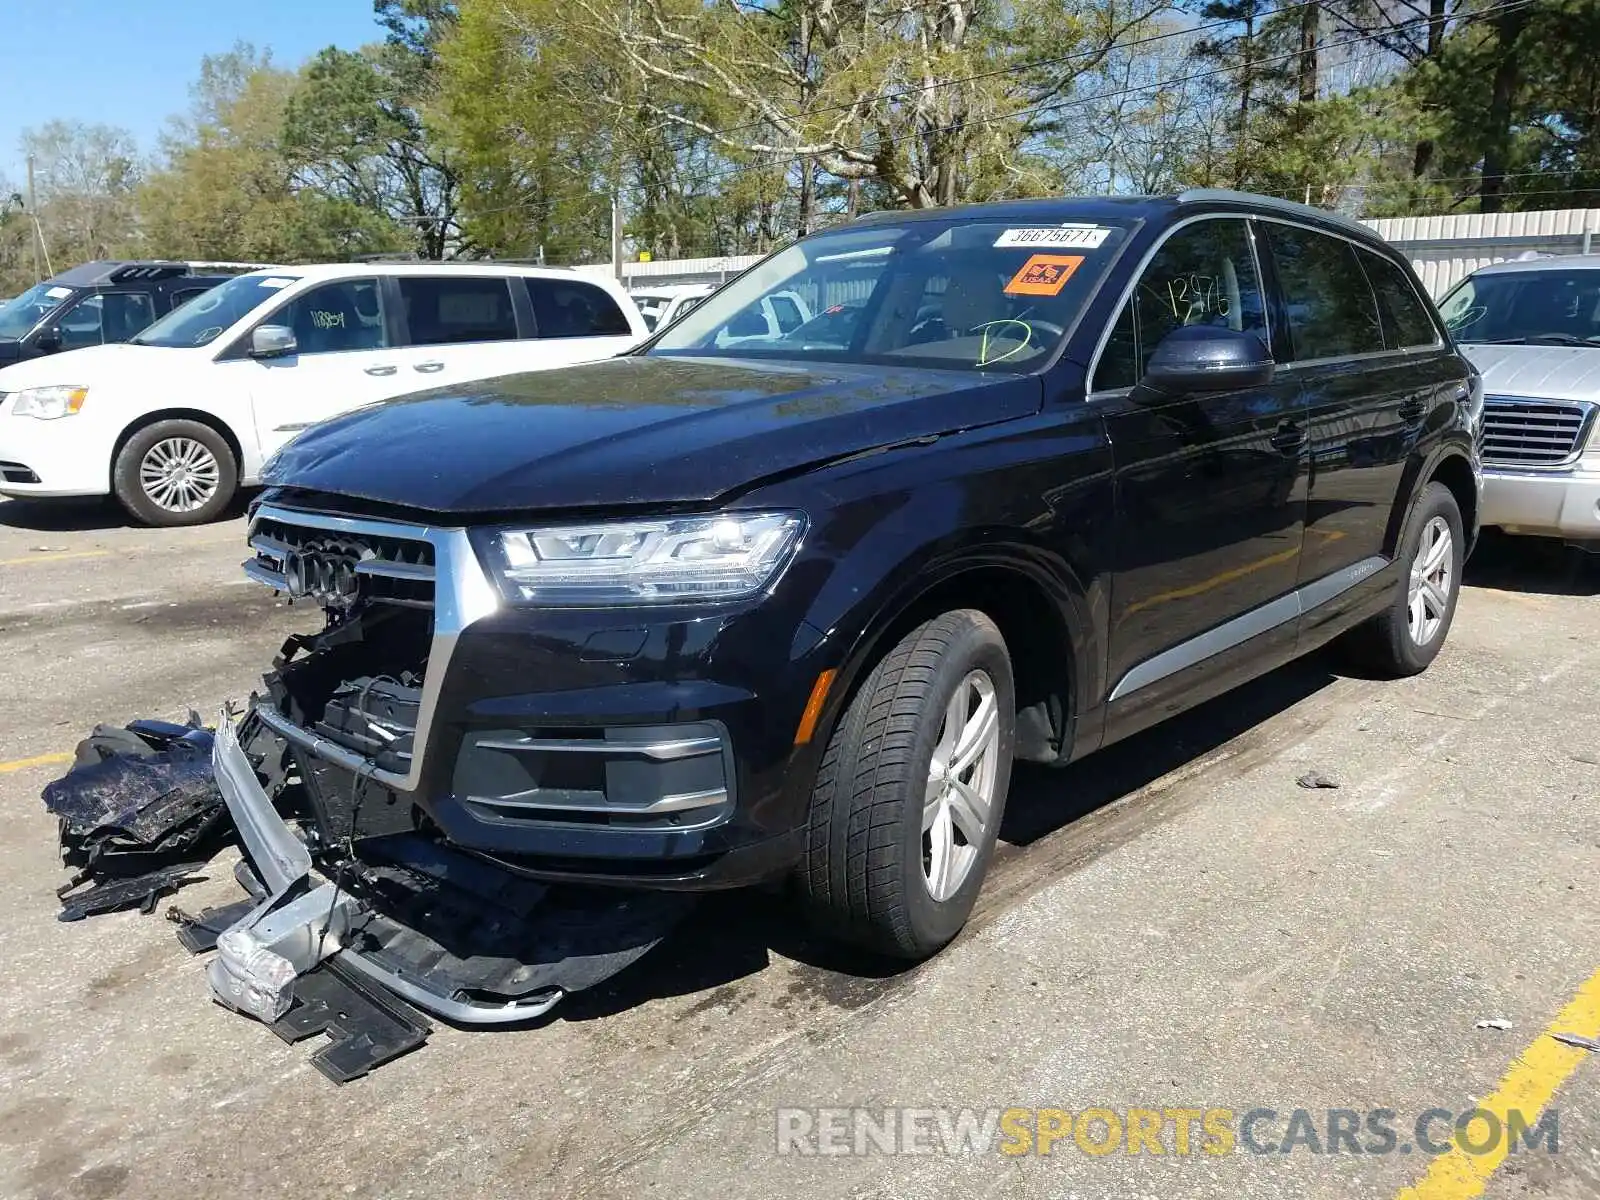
x: 633, y: 431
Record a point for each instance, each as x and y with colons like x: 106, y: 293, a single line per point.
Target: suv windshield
x: 22, y: 313
x: 957, y: 293
x: 1551, y: 307
x: 202, y: 320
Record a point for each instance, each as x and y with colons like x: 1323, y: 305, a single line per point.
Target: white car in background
x: 661, y: 306
x: 175, y: 421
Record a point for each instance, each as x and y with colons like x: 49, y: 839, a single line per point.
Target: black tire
x: 1385, y: 644
x: 863, y: 874
x: 147, y: 508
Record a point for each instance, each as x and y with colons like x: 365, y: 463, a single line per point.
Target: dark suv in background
x: 98, y: 303
x: 702, y: 615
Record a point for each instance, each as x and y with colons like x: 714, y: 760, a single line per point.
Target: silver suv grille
x: 1533, y: 433
x: 337, y: 568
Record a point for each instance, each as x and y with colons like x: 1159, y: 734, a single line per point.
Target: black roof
x: 104, y: 271
x: 1089, y: 208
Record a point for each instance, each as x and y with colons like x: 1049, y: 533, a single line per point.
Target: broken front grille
x: 1534, y: 433
x: 337, y: 569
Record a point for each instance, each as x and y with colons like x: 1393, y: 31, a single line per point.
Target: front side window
x: 21, y: 313
x: 202, y: 320
x: 1553, y: 307
x: 335, y: 318
x: 107, y: 317
x: 567, y: 308
x: 1406, y: 323
x: 940, y: 292
x: 1332, y: 311
x: 1204, y: 274
x: 444, y: 310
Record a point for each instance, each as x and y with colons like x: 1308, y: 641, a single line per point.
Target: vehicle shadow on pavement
x: 1527, y: 564
x: 85, y: 515
x: 733, y: 935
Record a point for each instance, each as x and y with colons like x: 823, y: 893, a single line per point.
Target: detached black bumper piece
x: 369, y: 1026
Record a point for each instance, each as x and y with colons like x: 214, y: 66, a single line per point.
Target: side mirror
x: 49, y: 340
x: 271, y: 341
x: 1206, y: 358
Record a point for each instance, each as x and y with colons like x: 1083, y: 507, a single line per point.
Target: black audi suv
x: 1037, y: 475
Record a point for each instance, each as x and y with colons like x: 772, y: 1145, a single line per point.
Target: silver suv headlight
x: 675, y: 560
x: 48, y: 403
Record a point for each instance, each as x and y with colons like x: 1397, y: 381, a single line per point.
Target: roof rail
x: 1287, y: 207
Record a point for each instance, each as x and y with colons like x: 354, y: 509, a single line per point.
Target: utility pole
x: 33, y: 216
x: 616, y: 235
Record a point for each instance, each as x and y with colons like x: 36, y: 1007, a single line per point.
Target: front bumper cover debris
x: 444, y: 930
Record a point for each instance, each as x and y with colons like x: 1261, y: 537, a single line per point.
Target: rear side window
x: 1406, y: 322
x: 1205, y: 274
x: 1332, y: 312
x: 568, y: 308
x: 444, y: 310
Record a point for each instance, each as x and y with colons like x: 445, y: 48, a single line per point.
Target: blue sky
x: 130, y: 62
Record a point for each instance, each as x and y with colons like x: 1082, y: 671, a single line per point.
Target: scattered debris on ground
x: 1578, y: 1040
x: 1499, y: 1023
x: 1316, y: 779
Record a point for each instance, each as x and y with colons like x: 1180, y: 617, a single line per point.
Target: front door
x: 1210, y: 488
x: 342, y: 360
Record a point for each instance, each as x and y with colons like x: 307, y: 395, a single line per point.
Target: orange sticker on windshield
x: 1044, y: 275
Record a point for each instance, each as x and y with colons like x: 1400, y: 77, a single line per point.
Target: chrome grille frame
x: 462, y: 594
x: 1526, y: 433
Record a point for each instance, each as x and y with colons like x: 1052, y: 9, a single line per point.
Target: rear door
x: 1210, y: 487
x: 1368, y: 358
x: 458, y: 328
x: 574, y: 322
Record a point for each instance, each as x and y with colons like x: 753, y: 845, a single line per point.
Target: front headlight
x: 669, y: 561
x: 48, y: 403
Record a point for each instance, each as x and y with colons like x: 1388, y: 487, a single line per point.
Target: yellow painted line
x: 52, y: 556
x: 38, y: 760
x: 1527, y: 1087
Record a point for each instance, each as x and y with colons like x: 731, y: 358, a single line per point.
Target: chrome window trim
x: 1252, y: 623
x: 463, y: 594
x: 1091, y: 392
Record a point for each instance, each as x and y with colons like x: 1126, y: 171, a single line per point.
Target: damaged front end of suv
x: 322, y: 777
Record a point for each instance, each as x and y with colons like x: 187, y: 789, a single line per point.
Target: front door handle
x: 1411, y: 411
x: 428, y: 368
x: 388, y: 370
x: 1288, y: 438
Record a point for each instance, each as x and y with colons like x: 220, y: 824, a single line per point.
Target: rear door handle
x: 1288, y: 437
x: 389, y: 370
x: 428, y: 368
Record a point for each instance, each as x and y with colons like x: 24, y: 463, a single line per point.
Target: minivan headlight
x: 674, y: 560
x: 48, y: 403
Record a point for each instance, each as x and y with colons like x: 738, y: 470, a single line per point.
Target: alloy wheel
x: 179, y: 474
x: 1432, y: 575
x: 959, y: 799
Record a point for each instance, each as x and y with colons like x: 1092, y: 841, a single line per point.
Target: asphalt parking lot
x: 1174, y: 924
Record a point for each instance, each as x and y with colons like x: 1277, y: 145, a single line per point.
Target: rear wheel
x: 911, y: 789
x: 175, y: 473
x: 1408, y: 635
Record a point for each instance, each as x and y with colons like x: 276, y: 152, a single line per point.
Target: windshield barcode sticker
x: 1085, y: 237
x: 272, y: 281
x: 58, y: 293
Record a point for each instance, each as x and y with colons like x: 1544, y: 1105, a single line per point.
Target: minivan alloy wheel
x: 1429, y: 595
x: 960, y: 792
x: 179, y: 474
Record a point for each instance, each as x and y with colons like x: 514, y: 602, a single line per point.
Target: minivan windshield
x: 956, y: 293
x: 1549, y: 308
x: 202, y: 319
x: 21, y: 313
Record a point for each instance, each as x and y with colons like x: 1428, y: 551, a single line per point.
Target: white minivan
x: 173, y: 422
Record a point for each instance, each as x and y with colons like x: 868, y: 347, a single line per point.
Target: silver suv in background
x: 1532, y: 328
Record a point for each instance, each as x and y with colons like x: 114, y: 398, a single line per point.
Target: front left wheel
x: 175, y: 473
x: 911, y: 788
